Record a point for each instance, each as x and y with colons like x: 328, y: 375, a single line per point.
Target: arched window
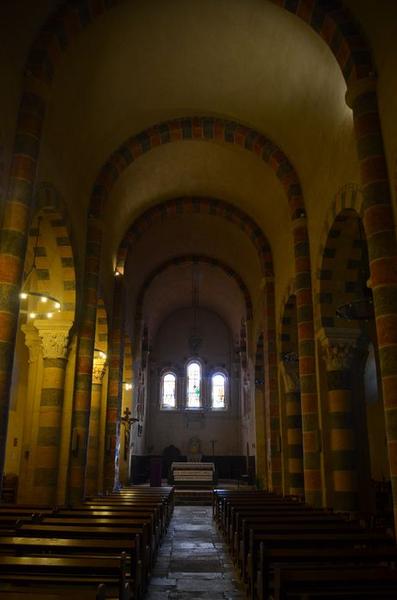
x: 218, y: 391
x: 193, y: 385
x: 168, y: 391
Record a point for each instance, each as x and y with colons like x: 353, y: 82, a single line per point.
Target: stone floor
x: 193, y: 562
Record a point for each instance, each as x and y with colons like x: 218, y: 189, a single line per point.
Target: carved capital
x: 33, y: 342
x: 98, y: 370
x: 340, y: 347
x: 54, y: 337
x: 359, y: 87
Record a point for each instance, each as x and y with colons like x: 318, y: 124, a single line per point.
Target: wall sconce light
x: 37, y: 305
x: 101, y: 353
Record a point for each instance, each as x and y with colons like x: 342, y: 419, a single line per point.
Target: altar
x: 193, y: 474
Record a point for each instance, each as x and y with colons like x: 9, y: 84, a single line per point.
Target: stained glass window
x: 218, y: 382
x: 194, y: 385
x: 169, y: 391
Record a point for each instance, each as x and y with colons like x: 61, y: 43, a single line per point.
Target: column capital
x: 32, y: 341
x: 359, y: 87
x: 340, y: 347
x: 98, y: 370
x: 54, y: 337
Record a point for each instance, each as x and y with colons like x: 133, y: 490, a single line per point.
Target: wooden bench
x: 80, y: 575
x: 22, y: 546
x: 47, y: 545
x: 268, y: 534
x: 305, y: 540
x: 278, y: 558
x: 297, y: 527
x: 67, y: 531
x: 344, y: 582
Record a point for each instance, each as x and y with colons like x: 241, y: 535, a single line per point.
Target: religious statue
x: 194, y: 449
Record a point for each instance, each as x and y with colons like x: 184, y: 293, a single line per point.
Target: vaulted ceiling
x: 143, y: 62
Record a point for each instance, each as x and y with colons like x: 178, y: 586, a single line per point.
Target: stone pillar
x: 54, y: 339
x: 379, y: 228
x: 260, y: 434
x: 92, y: 474
x: 30, y: 424
x: 14, y: 234
x: 84, y: 363
x: 290, y: 372
x: 271, y: 390
x: 340, y: 349
x: 115, y: 391
x: 307, y: 365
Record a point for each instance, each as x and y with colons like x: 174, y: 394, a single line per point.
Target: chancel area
x: 198, y: 291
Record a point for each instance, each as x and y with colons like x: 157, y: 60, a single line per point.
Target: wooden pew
x: 273, y: 524
x: 298, y: 558
x: 296, y: 526
x: 288, y: 516
x: 343, y: 582
x: 81, y: 575
x: 341, y: 540
x: 65, y: 531
x: 117, y: 517
x: 131, y: 521
x: 30, y: 546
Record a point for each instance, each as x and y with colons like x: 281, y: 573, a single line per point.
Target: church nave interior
x: 198, y: 257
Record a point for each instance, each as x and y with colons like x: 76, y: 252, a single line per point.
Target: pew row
x: 272, y: 538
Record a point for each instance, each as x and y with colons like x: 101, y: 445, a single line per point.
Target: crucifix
x: 127, y: 421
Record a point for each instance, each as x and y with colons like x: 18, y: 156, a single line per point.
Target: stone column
x: 84, y: 363
x: 307, y: 365
x: 115, y: 391
x: 54, y: 339
x: 30, y: 424
x: 340, y: 349
x: 290, y: 372
x: 260, y: 434
x: 379, y: 225
x: 271, y: 389
x: 14, y: 234
x: 92, y: 474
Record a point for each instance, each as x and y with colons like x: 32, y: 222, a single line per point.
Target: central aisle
x: 193, y: 561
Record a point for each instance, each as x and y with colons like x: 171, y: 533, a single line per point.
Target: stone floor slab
x: 193, y: 561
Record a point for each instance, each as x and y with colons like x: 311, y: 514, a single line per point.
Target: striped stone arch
x: 349, y: 197
x: 340, y: 277
x: 198, y: 205
x: 289, y: 291
x: 194, y: 258
x: 330, y: 19
x: 50, y: 207
x: 289, y: 324
x: 198, y: 128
